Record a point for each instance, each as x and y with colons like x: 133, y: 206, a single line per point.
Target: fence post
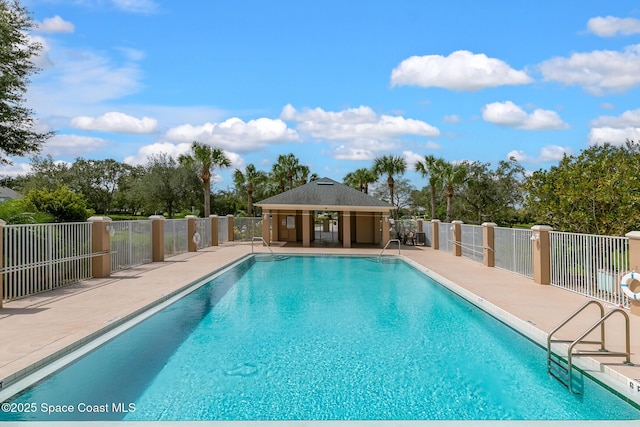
x: 634, y: 265
x: 541, y: 254
x: 2, y: 224
x: 101, y: 231
x: 214, y: 230
x: 157, y: 238
x: 230, y: 228
x: 457, y: 237
x: 435, y: 234
x: 191, y: 231
x: 266, y: 227
x: 488, y: 243
x: 420, y: 226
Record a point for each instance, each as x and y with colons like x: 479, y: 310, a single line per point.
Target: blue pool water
x: 316, y: 338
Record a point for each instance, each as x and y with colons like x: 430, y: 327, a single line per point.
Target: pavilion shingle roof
x: 325, y: 192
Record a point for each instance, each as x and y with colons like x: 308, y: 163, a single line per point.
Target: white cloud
x: 72, y: 145
x: 344, y: 152
x: 629, y: 118
x: 511, y: 115
x: 115, y: 122
x: 174, y: 150
x: 55, y: 25
x: 412, y: 158
x: 615, y: 129
x: 76, y: 80
x: 16, y: 169
x: 611, y: 135
x: 235, y: 134
x: 462, y: 70
x: 136, y: 6
x: 596, y: 72
x: 355, y: 124
x: 546, y: 154
x: 452, y: 119
x: 610, y: 26
x: 607, y: 106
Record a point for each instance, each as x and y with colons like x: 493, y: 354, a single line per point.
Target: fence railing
x: 472, y: 242
x: 130, y: 244
x: 203, y: 228
x: 176, y: 240
x: 590, y: 265
x: 245, y: 229
x: 513, y: 250
x: 444, y: 233
x: 223, y: 229
x: 41, y: 257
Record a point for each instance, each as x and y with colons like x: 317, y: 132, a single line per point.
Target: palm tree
x: 288, y: 172
x: 205, y: 157
x: 431, y: 167
x: 247, y: 181
x: 452, y: 176
x: 360, y: 179
x: 390, y: 165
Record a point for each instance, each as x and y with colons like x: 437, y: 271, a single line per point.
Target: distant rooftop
x: 7, y: 194
x: 325, y: 194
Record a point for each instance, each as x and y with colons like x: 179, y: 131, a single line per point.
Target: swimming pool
x: 304, y: 337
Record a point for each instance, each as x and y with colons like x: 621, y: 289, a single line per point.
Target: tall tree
x: 390, y: 166
x: 595, y: 192
x: 247, y: 182
x: 205, y: 157
x: 360, y: 179
x: 452, y: 175
x: 98, y: 181
x: 18, y: 135
x: 430, y: 168
x: 284, y: 170
x: 166, y: 183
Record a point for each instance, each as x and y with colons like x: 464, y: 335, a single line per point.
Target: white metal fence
x: 130, y: 244
x: 444, y: 236
x: 175, y: 237
x: 472, y: 242
x: 246, y: 228
x: 41, y: 257
x: 513, y: 250
x: 203, y: 228
x: 223, y: 230
x: 590, y: 265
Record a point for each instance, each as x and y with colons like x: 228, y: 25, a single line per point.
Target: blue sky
x: 337, y: 83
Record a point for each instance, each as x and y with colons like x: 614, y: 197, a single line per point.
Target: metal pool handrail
x: 263, y: 241
x: 387, y: 245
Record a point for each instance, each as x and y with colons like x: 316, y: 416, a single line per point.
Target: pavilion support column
x: 386, y: 226
x: 435, y: 234
x: 346, y: 229
x: 275, y: 226
x: 306, y: 229
x: 266, y: 227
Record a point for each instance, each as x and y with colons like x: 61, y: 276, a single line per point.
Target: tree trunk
x: 250, y: 199
x: 207, y: 197
x: 433, y: 202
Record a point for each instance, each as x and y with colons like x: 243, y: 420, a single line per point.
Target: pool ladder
x: 562, y: 368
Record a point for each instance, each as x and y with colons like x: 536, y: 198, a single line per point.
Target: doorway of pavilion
x: 325, y: 226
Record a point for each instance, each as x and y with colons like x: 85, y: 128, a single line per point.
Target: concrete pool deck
x: 40, y: 328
